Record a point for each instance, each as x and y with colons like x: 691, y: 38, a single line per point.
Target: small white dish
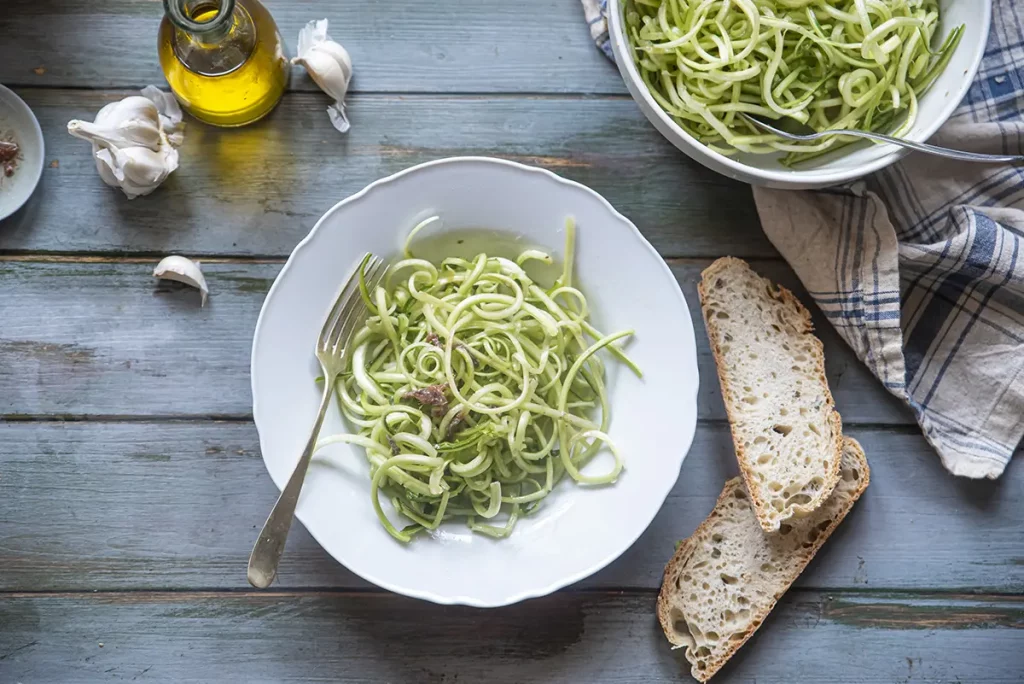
x: 936, y: 106
x: 578, y: 530
x: 19, y: 125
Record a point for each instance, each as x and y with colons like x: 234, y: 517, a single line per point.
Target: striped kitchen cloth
x: 920, y: 266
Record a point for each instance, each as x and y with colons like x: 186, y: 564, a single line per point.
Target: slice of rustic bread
x: 724, y: 580
x: 771, y: 367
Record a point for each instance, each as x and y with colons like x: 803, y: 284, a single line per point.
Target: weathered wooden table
x: 131, y: 486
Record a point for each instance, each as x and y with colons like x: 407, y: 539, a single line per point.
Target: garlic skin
x: 170, y: 114
x: 182, y: 270
x: 330, y: 67
x: 134, y: 140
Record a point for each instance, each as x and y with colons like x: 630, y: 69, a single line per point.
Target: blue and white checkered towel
x: 920, y: 267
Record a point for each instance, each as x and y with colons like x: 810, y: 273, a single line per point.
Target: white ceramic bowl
x: 936, y: 106
x: 19, y: 123
x: 577, y: 530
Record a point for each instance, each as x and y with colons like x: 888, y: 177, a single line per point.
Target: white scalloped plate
x: 578, y: 530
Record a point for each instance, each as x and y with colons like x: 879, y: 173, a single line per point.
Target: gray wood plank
x: 259, y: 190
x: 396, y: 45
x: 177, y: 505
x: 103, y: 338
x: 569, y: 637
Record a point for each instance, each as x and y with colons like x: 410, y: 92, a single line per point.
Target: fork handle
x: 928, y: 148
x: 266, y: 553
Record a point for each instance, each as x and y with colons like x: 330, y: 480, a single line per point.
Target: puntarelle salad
x: 475, y: 389
x: 828, y: 64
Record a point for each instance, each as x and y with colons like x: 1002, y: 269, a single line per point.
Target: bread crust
x: 688, y: 547
x: 730, y: 398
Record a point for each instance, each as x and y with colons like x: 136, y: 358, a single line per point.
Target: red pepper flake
x: 433, y: 339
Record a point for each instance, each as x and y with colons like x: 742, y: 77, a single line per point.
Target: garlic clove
x: 135, y: 120
x: 182, y: 270
x: 145, y: 170
x: 165, y: 104
x: 330, y: 67
x: 171, y: 118
x: 339, y: 53
x: 326, y: 72
x: 343, y: 61
x: 331, y: 76
x: 108, y: 169
x: 136, y: 170
x: 134, y: 140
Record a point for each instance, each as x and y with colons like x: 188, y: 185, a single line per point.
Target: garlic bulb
x: 182, y: 270
x: 328, y: 65
x: 134, y: 141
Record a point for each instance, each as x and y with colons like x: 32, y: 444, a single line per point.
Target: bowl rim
x: 657, y: 492
x: 820, y: 177
x: 15, y: 100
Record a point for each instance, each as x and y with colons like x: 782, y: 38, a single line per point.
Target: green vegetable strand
x: 474, y: 390
x: 828, y: 64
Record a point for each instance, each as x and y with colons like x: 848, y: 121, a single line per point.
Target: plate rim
x: 662, y: 493
x: 11, y: 96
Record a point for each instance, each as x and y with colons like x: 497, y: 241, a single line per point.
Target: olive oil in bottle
x: 224, y: 59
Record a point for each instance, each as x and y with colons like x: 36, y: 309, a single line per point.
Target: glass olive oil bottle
x: 224, y: 59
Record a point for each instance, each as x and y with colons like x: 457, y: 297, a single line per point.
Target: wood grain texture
x: 259, y: 190
x: 98, y: 338
x: 145, y: 497
x: 569, y: 637
x: 396, y: 45
x: 177, y: 505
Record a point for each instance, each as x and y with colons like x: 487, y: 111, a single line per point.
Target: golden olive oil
x: 224, y: 59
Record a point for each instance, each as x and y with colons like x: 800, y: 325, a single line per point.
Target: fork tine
x: 353, y: 314
x: 353, y: 308
x: 349, y: 293
x: 344, y: 294
x: 765, y: 126
x: 346, y: 332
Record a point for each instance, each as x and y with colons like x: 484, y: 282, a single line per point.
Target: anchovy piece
x: 433, y: 396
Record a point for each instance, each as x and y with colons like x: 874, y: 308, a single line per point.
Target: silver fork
x: 910, y: 144
x: 347, y: 312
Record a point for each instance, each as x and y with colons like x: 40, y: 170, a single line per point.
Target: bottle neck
x: 205, y: 20
x: 211, y: 37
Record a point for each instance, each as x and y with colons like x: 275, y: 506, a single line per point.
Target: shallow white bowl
x: 935, y: 107
x: 19, y: 123
x: 577, y: 530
